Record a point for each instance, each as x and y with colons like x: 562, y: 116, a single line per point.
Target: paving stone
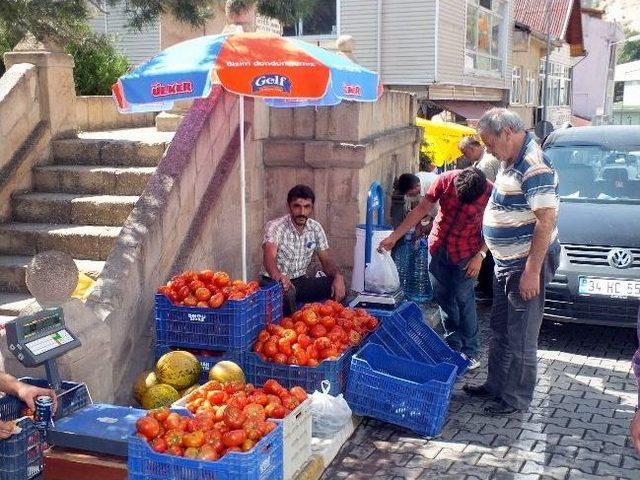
x: 511, y: 464
x: 555, y: 472
x: 575, y: 474
x: 606, y: 469
x: 585, y: 454
x: 593, y: 435
x: 587, y: 466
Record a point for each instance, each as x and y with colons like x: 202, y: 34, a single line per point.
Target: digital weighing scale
x: 40, y: 339
x: 364, y: 299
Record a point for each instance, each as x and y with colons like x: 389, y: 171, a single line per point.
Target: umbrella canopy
x: 442, y: 140
x: 287, y: 71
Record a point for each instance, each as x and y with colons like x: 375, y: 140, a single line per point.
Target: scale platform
x: 97, y: 428
x: 382, y: 301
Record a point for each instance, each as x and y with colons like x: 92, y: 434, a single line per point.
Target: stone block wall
x: 99, y: 112
x: 338, y: 151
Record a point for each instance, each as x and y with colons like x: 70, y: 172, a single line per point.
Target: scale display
x: 37, y: 338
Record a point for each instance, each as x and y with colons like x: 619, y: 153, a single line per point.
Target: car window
x: 596, y: 173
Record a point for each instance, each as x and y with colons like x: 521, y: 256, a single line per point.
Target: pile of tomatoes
x: 315, y: 333
x: 206, y: 289
x: 230, y: 417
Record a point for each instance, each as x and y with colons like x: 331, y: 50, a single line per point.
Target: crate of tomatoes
x: 315, y: 344
x: 209, y: 310
x: 170, y: 445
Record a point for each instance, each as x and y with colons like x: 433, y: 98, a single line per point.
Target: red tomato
x: 270, y: 349
x: 290, y: 402
x: 284, y: 346
x: 312, y: 362
x: 300, y: 327
x: 309, y: 317
x: 274, y: 329
x: 286, y: 322
x: 191, y: 452
x: 193, y: 439
x: 174, y: 437
x: 280, y: 358
x: 192, y: 425
x: 263, y: 336
x: 371, y: 323
x: 190, y: 301
x: 148, y: 427
x: 322, y: 343
x: 301, y: 356
x: 159, y: 445
x: 172, y: 421
x: 212, y: 436
x: 274, y: 398
x: 216, y: 300
x: 203, y: 294
x: 328, y: 322
x: 354, y: 338
x: 260, y: 398
x: 233, y: 417
x: 331, y: 352
x: 258, y: 347
x: 325, y: 310
x: 272, y: 387
x: 234, y: 438
x: 175, y: 450
x: 318, y: 330
x: 183, y: 293
x: 221, y: 279
x: 290, y: 335
x: 252, y: 427
x: 299, y: 393
x: 202, y: 305
x: 254, y: 411
x: 247, y: 445
x: 177, y: 283
x: 304, y: 340
x: 279, y: 412
x: 209, y: 452
x: 206, y: 276
x: 160, y: 414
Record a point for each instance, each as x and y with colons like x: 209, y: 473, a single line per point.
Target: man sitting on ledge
x: 288, y: 247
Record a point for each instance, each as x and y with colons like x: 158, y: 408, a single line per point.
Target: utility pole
x: 545, y: 82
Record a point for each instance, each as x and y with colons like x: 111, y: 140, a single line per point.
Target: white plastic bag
x: 329, y: 414
x: 381, y: 275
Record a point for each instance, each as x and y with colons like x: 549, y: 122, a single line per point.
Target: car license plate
x: 609, y: 287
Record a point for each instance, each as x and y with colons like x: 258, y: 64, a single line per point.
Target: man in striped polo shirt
x: 519, y: 227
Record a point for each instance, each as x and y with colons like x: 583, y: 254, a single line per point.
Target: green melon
x: 179, y: 369
x: 159, y: 395
x: 143, y: 381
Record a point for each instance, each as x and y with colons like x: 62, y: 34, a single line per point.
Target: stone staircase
x: 78, y: 205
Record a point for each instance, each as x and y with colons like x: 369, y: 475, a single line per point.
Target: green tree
x: 98, y: 64
x: 630, y: 51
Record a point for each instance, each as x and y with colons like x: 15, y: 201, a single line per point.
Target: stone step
x: 87, y: 242
x: 142, y: 147
x: 72, y: 208
x: 14, y: 267
x: 12, y: 303
x: 93, y: 179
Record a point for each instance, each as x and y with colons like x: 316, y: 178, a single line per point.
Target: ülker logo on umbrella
x: 352, y: 90
x: 162, y: 90
x: 271, y: 81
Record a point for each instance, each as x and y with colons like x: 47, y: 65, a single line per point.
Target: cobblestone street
x: 576, y: 428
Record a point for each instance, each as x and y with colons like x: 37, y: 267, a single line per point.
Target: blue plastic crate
x: 234, y: 325
x: 262, y: 462
x: 400, y: 391
x: 206, y: 361
x: 405, y: 334
x: 21, y: 454
x: 258, y: 372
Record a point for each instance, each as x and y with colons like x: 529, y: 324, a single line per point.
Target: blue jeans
x: 455, y: 293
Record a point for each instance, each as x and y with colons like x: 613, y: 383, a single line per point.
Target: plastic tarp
x: 442, y: 140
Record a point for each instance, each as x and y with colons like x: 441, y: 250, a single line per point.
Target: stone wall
x: 99, y: 112
x: 338, y: 151
x: 24, y: 136
x: 188, y: 216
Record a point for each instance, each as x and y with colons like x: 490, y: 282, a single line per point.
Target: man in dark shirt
x: 456, y: 251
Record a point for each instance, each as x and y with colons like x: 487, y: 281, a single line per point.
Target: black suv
x: 598, y: 281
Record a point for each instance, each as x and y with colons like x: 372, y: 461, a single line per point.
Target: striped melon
x: 160, y: 395
x: 179, y: 369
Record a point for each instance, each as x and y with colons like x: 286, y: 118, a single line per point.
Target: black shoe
x: 477, y: 390
x: 501, y: 408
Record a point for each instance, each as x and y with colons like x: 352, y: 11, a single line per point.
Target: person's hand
x: 472, y: 269
x: 634, y: 430
x: 529, y: 285
x: 387, y: 244
x: 338, y: 289
x: 28, y: 394
x: 6, y: 429
x: 286, y: 282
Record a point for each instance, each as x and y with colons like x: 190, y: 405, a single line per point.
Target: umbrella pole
x: 243, y: 197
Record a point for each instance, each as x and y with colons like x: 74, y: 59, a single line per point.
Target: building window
x: 484, y: 49
x: 558, y: 84
x: 516, y: 85
x: 321, y: 22
x: 530, y: 88
x: 618, y: 92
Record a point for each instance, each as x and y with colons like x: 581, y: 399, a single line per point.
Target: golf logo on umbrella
x: 271, y: 81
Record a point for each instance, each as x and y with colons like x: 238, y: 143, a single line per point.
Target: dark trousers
x: 455, y: 294
x: 306, y: 289
x: 515, y: 326
x: 485, y: 278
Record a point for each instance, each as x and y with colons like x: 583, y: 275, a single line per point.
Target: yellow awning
x: 442, y: 139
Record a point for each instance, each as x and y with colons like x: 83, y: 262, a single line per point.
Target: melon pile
x: 176, y: 375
